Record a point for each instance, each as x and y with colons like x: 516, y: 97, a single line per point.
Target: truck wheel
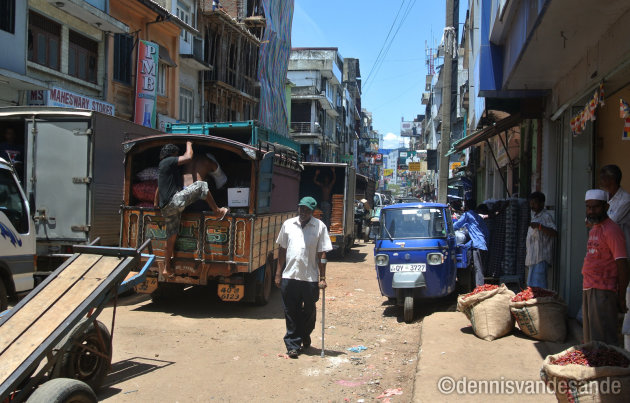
x: 63, y: 390
x: 408, y: 309
x: 80, y: 362
x: 263, y: 291
x: 4, y: 297
x: 341, y: 252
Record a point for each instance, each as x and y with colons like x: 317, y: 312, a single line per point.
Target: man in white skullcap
x: 605, y: 271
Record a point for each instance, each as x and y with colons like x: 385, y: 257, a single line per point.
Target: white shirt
x: 619, y: 212
x: 302, y: 245
x: 539, y: 245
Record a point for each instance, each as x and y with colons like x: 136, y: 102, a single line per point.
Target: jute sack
x: 543, y: 318
x: 579, y: 383
x: 488, y: 312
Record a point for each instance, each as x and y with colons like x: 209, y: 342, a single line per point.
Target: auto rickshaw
x: 417, y: 255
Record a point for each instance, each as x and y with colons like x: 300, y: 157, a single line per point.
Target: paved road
x: 196, y: 348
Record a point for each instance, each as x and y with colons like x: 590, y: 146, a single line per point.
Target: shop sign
x: 68, y: 99
x: 414, y: 166
x: 388, y: 172
x: 146, y: 84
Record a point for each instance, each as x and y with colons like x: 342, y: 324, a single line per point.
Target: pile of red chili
x: 481, y: 288
x: 603, y: 357
x: 532, y: 292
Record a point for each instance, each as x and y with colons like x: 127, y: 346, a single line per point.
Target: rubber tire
x: 408, y: 309
x: 263, y: 291
x: 63, y: 390
x: 4, y: 297
x: 95, y: 367
x: 465, y: 280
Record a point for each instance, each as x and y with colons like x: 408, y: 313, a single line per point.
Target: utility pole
x: 450, y: 38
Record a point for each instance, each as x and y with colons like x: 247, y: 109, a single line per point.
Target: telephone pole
x: 450, y: 45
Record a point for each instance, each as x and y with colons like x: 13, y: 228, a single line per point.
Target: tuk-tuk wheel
x: 408, y: 308
x: 61, y: 390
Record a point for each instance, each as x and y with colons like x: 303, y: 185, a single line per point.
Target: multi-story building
x: 316, y: 101
x: 58, y: 52
x: 351, y: 111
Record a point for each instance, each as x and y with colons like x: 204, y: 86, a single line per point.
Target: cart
x: 57, y: 321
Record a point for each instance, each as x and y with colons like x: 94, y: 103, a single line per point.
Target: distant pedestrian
x: 540, y: 238
x: 605, y: 272
x: 619, y: 212
x: 303, y: 242
x: 478, y: 232
x: 216, y: 4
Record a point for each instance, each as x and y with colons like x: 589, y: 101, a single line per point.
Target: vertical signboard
x: 146, y: 84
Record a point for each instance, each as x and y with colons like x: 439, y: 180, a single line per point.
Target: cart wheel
x: 80, y: 362
x: 263, y: 291
x: 63, y: 390
x: 4, y: 297
x: 408, y: 309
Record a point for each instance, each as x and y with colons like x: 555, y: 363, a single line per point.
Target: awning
x: 485, y: 133
x: 166, y: 58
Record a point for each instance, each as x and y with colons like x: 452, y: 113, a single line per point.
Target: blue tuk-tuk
x: 417, y: 254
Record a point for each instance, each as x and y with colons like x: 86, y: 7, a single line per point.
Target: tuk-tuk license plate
x: 231, y: 292
x: 421, y: 267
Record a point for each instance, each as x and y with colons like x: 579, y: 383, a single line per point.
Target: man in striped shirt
x: 540, y: 237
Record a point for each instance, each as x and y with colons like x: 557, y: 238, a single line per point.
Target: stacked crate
x: 336, y: 217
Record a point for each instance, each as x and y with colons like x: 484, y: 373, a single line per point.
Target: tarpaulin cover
x: 273, y: 63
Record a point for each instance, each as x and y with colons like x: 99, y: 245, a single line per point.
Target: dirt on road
x: 196, y: 348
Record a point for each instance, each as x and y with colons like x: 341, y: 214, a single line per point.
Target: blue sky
x: 358, y: 28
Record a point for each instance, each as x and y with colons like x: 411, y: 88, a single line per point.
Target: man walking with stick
x: 303, y: 242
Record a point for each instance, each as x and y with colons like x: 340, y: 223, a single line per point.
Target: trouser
x: 326, y: 210
x: 479, y: 260
x: 299, y: 298
x: 537, y: 276
x: 599, y: 316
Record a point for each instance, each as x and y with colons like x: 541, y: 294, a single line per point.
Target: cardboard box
x: 238, y: 197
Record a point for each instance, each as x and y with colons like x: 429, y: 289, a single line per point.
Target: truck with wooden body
x: 238, y: 254
x: 341, y: 221
x: 72, y: 173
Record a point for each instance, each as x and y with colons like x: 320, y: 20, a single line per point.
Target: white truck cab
x: 17, y: 240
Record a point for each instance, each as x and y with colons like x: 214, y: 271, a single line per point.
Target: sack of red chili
x: 592, y: 372
x: 488, y: 310
x: 540, y: 314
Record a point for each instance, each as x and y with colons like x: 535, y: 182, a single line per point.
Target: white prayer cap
x: 596, y: 194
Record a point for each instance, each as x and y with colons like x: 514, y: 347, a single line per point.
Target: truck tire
x: 263, y: 290
x: 4, y: 297
x: 63, y: 390
x: 408, y: 309
x: 82, y: 364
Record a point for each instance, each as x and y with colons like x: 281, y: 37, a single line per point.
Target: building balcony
x: 305, y: 128
x: 191, y: 54
x: 93, y: 12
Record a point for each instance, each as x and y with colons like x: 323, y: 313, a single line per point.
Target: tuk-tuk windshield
x: 427, y: 222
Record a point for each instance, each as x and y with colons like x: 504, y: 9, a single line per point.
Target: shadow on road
x: 122, y: 371
x: 202, y: 302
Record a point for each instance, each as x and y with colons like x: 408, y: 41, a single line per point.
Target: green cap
x: 308, y: 202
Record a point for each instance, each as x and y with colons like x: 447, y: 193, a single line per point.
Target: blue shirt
x: 477, y: 229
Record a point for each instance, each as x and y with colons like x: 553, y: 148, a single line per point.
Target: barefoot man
x: 176, y: 191
x: 326, y: 184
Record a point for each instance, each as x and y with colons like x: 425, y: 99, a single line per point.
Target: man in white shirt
x: 540, y: 237
x: 303, y: 242
x: 619, y: 212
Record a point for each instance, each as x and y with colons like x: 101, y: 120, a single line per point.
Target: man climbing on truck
x: 177, y: 189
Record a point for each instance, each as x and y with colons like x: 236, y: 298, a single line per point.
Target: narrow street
x: 201, y: 349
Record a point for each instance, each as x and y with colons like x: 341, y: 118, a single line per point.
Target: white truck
x: 72, y: 175
x: 17, y: 243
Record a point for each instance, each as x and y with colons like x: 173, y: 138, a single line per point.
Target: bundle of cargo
x: 317, y: 213
x: 336, y: 217
x: 593, y: 372
x: 487, y: 307
x: 540, y: 314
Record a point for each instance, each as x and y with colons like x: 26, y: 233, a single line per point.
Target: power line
x: 379, y: 63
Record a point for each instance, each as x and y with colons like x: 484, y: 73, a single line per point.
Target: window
x: 7, y: 16
x: 186, y: 112
x: 82, y: 56
x: 11, y: 203
x: 123, y: 47
x: 161, y: 79
x: 44, y: 39
x: 183, y: 13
